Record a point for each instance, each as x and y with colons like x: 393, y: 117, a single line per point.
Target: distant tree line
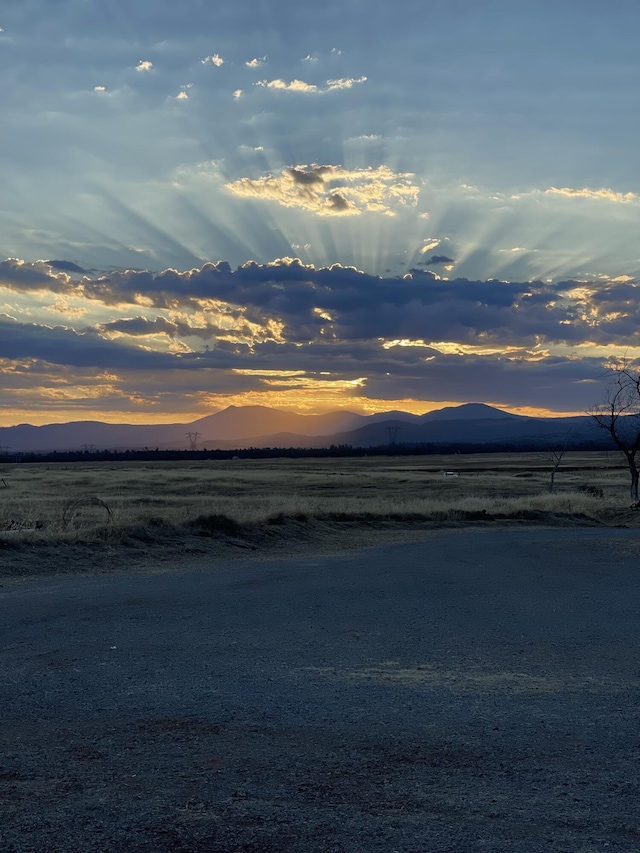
x: 333, y: 451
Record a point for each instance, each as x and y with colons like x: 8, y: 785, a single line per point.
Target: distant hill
x: 246, y: 421
x: 500, y: 430
x: 259, y: 426
x: 467, y: 412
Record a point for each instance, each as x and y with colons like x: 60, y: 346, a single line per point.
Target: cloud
x: 333, y: 190
x: 59, y: 358
x: 603, y: 194
x: 397, y: 337
x: 345, y: 83
x: 215, y: 59
x: 288, y: 301
x: 65, y: 266
x: 17, y: 275
x: 238, y: 94
x: 144, y: 65
x: 430, y: 243
x: 64, y: 346
x: 140, y: 327
x: 256, y: 62
x: 311, y: 88
x: 439, y: 259
x: 293, y: 86
x: 182, y: 96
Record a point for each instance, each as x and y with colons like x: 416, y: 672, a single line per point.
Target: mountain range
x: 259, y: 426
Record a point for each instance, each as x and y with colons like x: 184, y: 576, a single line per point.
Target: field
x: 252, y: 503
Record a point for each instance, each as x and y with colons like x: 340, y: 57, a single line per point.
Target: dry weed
x: 155, y: 500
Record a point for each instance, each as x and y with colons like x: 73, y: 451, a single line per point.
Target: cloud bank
x: 320, y: 336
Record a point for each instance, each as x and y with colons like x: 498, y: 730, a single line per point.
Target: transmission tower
x: 393, y: 435
x: 193, y: 440
x: 88, y: 448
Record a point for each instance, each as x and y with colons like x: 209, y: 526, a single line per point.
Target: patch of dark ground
x: 184, y: 785
x: 161, y: 550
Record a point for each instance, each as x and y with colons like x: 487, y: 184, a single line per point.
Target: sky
x: 358, y: 204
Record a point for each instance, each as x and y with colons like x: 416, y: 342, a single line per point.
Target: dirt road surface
x: 477, y: 691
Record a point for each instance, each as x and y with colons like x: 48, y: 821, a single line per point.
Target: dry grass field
x: 124, y: 503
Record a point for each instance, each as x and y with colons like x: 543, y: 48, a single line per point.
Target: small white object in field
x: 451, y: 474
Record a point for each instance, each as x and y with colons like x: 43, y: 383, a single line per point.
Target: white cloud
x: 237, y: 94
x: 256, y: 62
x: 345, y: 82
x: 311, y: 88
x: 144, y: 65
x: 293, y: 86
x: 99, y: 89
x: 309, y: 58
x: 606, y: 194
x: 430, y: 243
x: 215, y: 59
x: 182, y: 96
x: 333, y: 190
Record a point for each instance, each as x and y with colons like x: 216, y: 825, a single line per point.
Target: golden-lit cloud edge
x: 327, y: 190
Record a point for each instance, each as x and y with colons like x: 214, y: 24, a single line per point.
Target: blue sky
x: 419, y: 143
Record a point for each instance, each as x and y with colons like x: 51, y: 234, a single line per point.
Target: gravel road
x: 477, y: 691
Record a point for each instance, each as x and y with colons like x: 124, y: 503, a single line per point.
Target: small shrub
x: 210, y: 525
x: 591, y: 490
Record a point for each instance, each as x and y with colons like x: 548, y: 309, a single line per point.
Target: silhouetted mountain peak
x: 467, y: 412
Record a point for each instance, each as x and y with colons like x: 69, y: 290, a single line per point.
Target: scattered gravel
x: 476, y: 691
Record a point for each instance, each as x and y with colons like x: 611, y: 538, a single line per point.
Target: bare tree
x: 619, y: 415
x: 553, y: 454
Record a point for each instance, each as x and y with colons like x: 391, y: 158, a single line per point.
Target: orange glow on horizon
x: 282, y: 401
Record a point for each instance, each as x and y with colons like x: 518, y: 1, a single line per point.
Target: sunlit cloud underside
x: 152, y: 345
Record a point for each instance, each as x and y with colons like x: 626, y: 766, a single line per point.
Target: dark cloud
x: 140, y: 326
x: 561, y: 384
x: 42, y: 355
x: 64, y: 346
x: 310, y: 176
x: 20, y: 276
x: 66, y: 266
x: 349, y: 304
x: 338, y: 202
x: 438, y: 259
x: 617, y: 295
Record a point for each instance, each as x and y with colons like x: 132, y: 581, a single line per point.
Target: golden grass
x: 166, y: 499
